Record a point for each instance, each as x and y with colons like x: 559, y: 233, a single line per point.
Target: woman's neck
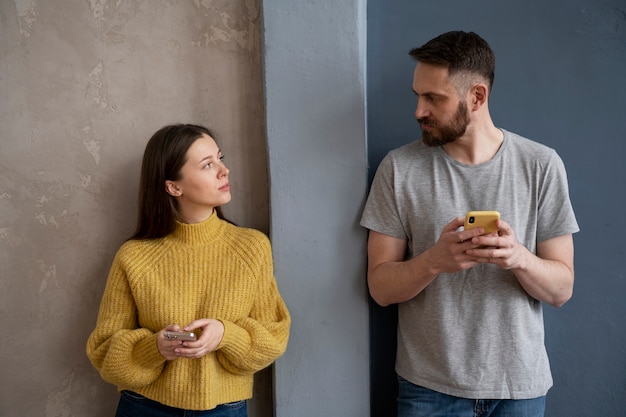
x: 196, y: 216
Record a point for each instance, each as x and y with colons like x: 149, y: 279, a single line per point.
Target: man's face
x: 438, y: 133
x: 442, y: 116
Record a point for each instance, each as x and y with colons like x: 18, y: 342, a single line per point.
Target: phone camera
x: 471, y: 220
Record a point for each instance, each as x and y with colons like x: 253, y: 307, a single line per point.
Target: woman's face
x: 203, y: 183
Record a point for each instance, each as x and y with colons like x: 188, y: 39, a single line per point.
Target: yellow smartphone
x: 485, y: 219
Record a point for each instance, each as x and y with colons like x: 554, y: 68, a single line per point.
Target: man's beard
x: 448, y: 133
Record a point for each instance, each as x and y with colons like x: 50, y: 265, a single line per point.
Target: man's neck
x: 477, y: 145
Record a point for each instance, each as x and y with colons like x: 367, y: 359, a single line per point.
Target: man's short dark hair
x: 460, y: 52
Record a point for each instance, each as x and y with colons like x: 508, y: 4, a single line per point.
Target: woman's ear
x: 172, y: 189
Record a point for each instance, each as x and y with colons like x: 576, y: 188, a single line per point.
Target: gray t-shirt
x: 475, y: 333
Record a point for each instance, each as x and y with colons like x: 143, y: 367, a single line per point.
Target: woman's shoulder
x: 246, y: 234
x: 133, y: 245
x: 247, y: 240
x: 136, y: 251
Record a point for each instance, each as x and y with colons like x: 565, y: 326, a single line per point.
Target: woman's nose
x: 224, y: 171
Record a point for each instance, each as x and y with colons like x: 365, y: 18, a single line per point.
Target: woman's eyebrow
x: 210, y: 157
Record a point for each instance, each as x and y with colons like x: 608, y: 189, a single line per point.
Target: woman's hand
x: 211, y: 334
x: 167, y: 347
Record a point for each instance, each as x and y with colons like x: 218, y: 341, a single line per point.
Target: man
x: 470, y: 324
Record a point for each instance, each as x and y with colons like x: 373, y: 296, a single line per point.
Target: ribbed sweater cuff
x: 147, y: 353
x: 236, y: 341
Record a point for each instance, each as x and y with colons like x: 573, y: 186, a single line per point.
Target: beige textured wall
x: 83, y: 84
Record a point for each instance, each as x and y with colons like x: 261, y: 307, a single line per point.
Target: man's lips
x: 426, y: 126
x: 425, y: 123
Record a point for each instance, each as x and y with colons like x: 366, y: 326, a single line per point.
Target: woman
x: 187, y: 269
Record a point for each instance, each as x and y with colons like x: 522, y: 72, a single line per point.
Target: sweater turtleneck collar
x: 206, y: 231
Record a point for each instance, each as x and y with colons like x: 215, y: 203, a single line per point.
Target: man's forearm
x: 397, y: 282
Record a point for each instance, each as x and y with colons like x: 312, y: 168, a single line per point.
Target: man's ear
x: 172, y: 189
x: 479, y: 95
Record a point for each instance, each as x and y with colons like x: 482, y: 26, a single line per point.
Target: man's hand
x: 450, y: 253
x: 500, y: 249
x: 547, y: 276
x: 392, y: 279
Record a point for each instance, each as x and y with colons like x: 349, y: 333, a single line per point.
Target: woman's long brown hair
x: 165, y: 155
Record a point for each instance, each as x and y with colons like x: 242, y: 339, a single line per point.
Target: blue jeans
x: 134, y: 405
x: 416, y: 401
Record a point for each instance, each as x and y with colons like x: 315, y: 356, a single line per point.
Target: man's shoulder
x: 525, y: 144
x: 410, y: 152
x: 410, y: 147
x: 529, y: 150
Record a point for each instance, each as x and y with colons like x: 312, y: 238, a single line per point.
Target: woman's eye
x: 210, y: 164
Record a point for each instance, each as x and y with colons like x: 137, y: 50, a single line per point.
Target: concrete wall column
x: 315, y: 103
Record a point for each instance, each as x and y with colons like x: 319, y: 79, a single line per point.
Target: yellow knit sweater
x: 208, y: 270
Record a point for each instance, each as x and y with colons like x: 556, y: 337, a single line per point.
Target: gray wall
x: 83, y: 85
x: 560, y: 79
x: 315, y: 92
